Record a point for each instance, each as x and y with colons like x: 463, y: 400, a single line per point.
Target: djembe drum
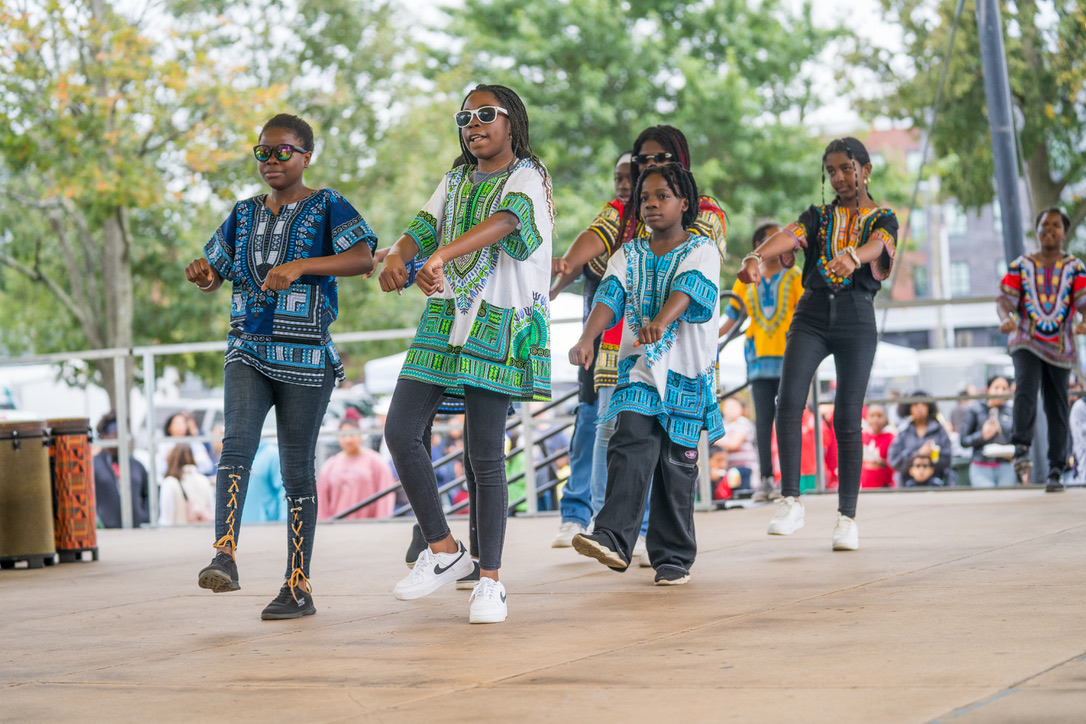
x: 74, y: 511
x: 26, y: 503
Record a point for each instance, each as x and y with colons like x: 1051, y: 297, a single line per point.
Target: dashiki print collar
x: 838, y: 233
x: 1047, y: 295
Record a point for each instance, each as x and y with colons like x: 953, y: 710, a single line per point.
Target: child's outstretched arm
x: 394, y: 270
x: 673, y: 308
x: 491, y: 230
x: 599, y: 320
x: 780, y: 243
x: 586, y: 247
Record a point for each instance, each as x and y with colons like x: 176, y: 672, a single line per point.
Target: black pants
x: 764, y: 392
x: 1030, y: 374
x: 841, y: 324
x: 640, y: 454
x: 413, y: 407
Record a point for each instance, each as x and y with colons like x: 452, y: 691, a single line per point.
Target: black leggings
x: 764, y: 392
x: 841, y: 324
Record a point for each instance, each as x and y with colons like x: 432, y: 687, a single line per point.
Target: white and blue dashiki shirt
x: 285, y: 334
x: 673, y: 380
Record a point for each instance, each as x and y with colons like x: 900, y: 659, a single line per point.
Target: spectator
x: 921, y: 473
x: 182, y: 424
x: 186, y: 495
x: 1078, y: 432
x: 986, y: 430
x: 877, y: 438
x: 921, y: 435
x: 718, y: 473
x: 107, y: 476
x: 739, y: 443
x: 351, y: 476
x: 957, y: 415
x: 265, y: 499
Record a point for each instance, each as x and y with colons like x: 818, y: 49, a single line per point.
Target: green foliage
x: 1047, y: 68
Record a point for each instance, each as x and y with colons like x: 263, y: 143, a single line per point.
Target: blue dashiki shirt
x: 285, y: 334
x: 673, y: 380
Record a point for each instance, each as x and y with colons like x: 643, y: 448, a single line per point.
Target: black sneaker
x: 1054, y: 485
x: 671, y: 576
x: 289, y: 604
x: 598, y: 545
x: 221, y: 575
x: 418, y: 544
x: 467, y: 583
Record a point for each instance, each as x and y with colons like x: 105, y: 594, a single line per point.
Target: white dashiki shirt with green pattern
x: 490, y: 325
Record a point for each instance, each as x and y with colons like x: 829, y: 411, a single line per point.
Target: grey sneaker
x: 221, y: 575
x: 1054, y: 485
x: 290, y: 603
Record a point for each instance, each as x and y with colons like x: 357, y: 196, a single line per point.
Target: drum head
x: 21, y: 429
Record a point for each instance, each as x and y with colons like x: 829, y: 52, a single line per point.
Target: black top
x: 819, y: 223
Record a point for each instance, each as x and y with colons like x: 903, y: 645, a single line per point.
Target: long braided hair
x: 679, y: 180
x: 673, y: 141
x: 518, y: 126
x: 855, y: 151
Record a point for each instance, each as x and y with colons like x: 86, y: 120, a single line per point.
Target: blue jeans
x: 576, y: 502
x: 992, y: 476
x: 604, y: 432
x: 248, y: 395
x: 413, y: 406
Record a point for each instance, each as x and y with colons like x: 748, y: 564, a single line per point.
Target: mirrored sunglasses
x: 486, y: 114
x: 282, y: 152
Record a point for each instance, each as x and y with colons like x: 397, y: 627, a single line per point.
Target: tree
x: 1047, y: 68
x: 98, y: 121
x: 594, y: 73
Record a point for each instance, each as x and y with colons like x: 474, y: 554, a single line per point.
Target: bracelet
x: 752, y: 255
x: 851, y: 251
x: 208, y: 287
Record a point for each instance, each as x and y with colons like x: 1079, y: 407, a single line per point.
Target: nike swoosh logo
x: 438, y: 570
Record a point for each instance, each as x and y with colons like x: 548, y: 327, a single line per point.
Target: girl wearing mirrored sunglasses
x: 484, y: 336
x: 281, y: 251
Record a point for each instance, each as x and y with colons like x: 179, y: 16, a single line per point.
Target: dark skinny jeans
x: 414, y: 404
x: 841, y: 324
x: 764, y: 392
x: 1032, y: 374
x: 299, y: 410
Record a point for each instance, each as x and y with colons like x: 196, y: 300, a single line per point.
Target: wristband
x: 752, y: 255
x: 208, y: 287
x: 851, y: 251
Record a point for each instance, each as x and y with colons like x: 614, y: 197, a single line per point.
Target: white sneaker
x: 639, y: 547
x: 645, y: 562
x: 788, y: 518
x: 846, y: 535
x: 488, y: 602
x: 566, y: 531
x: 432, y: 571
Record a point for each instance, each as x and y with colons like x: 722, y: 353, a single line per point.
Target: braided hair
x: 673, y: 141
x: 518, y: 126
x: 285, y: 121
x: 679, y: 180
x: 855, y: 151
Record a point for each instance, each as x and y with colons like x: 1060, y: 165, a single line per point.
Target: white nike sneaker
x: 488, y: 602
x: 432, y: 571
x: 788, y: 518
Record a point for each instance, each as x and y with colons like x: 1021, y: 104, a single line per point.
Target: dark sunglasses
x: 282, y: 152
x: 643, y: 158
x: 486, y: 114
